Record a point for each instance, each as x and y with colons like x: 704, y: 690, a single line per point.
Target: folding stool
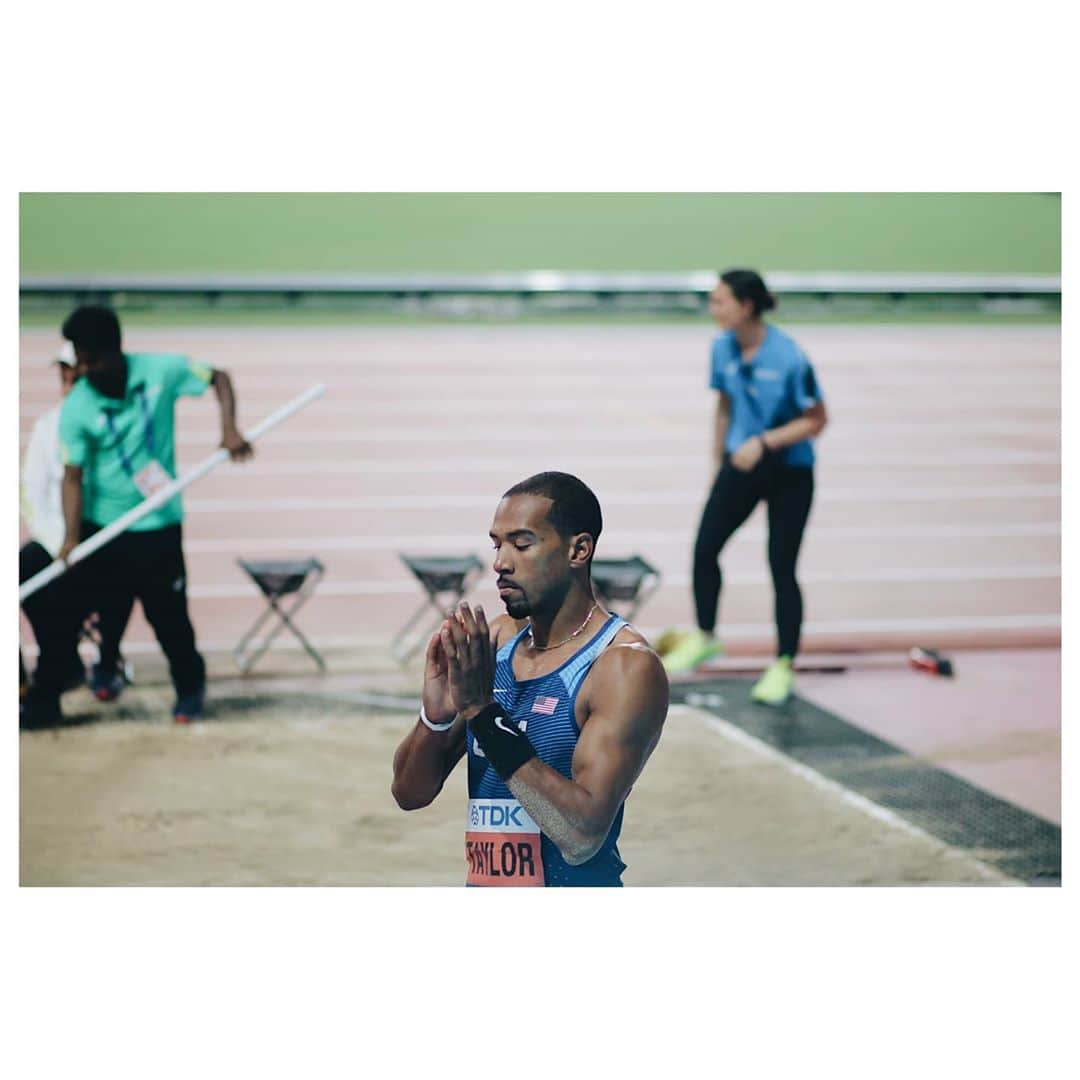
x: 632, y: 580
x: 437, y: 575
x: 276, y: 579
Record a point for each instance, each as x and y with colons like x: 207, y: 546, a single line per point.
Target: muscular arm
x: 425, y: 758
x: 72, y: 499
x: 720, y: 429
x: 627, y: 704
x: 802, y: 427
x: 422, y: 763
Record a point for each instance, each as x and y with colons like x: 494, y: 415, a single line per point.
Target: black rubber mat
x: 1010, y: 839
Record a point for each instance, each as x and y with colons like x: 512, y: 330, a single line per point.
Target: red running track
x: 937, y: 519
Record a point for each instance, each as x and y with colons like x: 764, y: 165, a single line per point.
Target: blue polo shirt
x: 779, y: 386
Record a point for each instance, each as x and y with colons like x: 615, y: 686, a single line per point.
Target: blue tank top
x: 503, y: 844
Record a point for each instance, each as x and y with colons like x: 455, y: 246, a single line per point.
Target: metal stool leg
x: 309, y: 648
x: 247, y: 662
x: 244, y: 663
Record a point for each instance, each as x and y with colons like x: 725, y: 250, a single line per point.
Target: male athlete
x: 558, y: 704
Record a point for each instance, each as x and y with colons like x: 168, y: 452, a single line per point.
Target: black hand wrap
x: 503, y: 744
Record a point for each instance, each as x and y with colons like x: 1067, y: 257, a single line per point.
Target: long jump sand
x: 297, y: 793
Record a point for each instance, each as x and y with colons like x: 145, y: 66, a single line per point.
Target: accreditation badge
x: 502, y: 844
x: 151, y: 478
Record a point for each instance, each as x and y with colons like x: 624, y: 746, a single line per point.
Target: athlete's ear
x: 582, y: 547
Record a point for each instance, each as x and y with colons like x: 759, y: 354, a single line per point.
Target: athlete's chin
x: 518, y: 607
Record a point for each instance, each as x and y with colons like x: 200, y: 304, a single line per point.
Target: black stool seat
x: 439, y: 575
x: 277, y: 578
x: 447, y: 576
x: 631, y: 580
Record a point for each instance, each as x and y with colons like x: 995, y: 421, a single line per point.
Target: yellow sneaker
x: 695, y: 648
x: 668, y: 640
x: 775, y: 685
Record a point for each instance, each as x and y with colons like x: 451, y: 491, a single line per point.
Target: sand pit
x: 294, y: 790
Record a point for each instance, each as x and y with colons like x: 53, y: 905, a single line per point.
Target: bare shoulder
x: 629, y: 665
x: 503, y: 628
x: 630, y: 658
x: 630, y: 635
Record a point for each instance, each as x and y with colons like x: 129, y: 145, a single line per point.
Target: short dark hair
x: 748, y: 285
x: 574, y: 507
x: 92, y: 327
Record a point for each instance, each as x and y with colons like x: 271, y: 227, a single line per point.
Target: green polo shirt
x: 111, y: 440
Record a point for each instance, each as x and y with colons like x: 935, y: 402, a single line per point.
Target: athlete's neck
x: 750, y: 336
x: 111, y: 378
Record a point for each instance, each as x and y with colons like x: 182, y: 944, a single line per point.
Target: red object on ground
x: 929, y: 660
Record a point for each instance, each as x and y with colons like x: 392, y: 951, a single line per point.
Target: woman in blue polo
x: 769, y: 409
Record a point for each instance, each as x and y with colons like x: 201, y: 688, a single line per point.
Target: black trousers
x: 788, y: 493
x: 148, y: 567
x: 56, y: 615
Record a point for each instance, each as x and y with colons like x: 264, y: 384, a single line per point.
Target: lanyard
x: 148, y: 431
x: 746, y: 379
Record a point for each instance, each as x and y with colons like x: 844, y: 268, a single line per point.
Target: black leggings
x: 789, y: 493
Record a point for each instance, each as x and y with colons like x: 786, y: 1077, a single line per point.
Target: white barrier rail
x: 537, y: 282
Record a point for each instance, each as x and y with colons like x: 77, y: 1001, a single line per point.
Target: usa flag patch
x: 545, y: 705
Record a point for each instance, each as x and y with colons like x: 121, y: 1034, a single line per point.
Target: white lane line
x: 827, y: 462
x: 740, y: 632
x: 932, y: 624
x: 535, y: 429
x: 420, y: 541
x: 930, y: 462
x: 274, y: 504
x: 667, y: 406
x: 859, y: 802
x: 661, y: 372
x: 893, y: 575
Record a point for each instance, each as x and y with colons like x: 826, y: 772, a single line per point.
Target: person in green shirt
x: 117, y: 445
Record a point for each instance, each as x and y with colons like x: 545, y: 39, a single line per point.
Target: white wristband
x: 433, y: 727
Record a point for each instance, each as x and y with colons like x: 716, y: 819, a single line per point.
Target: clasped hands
x: 459, y: 669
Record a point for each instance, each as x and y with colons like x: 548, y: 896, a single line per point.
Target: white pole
x: 162, y: 496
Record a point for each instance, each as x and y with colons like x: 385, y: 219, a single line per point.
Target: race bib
x: 502, y: 844
x: 151, y: 478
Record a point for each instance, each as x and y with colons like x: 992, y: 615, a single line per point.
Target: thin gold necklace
x: 544, y: 648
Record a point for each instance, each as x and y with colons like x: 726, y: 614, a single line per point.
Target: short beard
x: 518, y: 607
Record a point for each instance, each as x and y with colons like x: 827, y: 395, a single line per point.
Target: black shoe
x: 38, y: 712
x: 106, y: 686
x: 190, y: 707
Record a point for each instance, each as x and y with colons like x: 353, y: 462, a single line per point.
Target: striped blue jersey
x: 544, y: 708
